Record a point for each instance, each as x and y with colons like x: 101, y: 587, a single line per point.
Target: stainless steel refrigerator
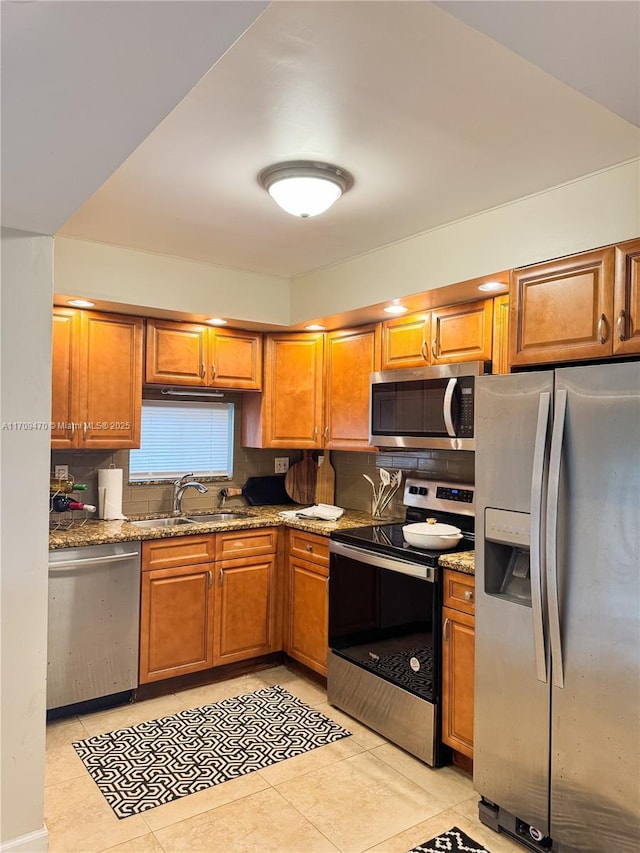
x: 557, y: 686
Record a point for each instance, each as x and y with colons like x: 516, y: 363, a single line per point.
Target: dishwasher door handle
x: 109, y: 558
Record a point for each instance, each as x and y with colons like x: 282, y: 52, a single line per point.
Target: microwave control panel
x: 465, y: 384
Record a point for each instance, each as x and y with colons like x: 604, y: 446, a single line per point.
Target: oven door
x: 384, y: 618
x: 383, y: 665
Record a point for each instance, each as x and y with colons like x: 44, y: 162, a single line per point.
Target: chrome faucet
x: 180, y: 487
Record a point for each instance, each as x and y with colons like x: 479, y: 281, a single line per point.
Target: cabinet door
x: 500, y: 350
x: 64, y: 387
x: 405, y: 341
x: 351, y: 356
x: 462, y: 332
x: 176, y: 622
x: 308, y: 614
x: 626, y: 310
x: 293, y: 390
x: 110, y: 380
x: 562, y: 310
x: 245, y: 608
x: 235, y: 359
x: 457, y: 680
x: 176, y: 353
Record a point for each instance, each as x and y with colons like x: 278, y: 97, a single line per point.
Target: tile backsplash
x: 352, y: 490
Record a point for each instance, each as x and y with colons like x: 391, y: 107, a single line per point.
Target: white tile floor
x: 359, y: 794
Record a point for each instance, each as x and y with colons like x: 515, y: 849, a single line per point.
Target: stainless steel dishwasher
x: 94, y: 616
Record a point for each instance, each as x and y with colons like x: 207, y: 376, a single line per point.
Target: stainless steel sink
x: 217, y: 516
x: 161, y: 522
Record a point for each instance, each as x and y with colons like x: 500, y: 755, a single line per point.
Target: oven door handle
x: 447, y: 407
x: 415, y: 570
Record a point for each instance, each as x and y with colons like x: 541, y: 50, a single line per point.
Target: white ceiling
x: 436, y: 120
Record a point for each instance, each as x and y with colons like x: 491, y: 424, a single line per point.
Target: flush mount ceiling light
x: 216, y: 321
x: 315, y: 327
x: 303, y: 187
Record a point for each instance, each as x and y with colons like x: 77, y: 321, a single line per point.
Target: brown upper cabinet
x: 190, y: 354
x: 316, y: 391
x: 626, y: 299
x: 351, y: 356
x: 97, y: 380
x: 580, y: 307
x: 444, y: 335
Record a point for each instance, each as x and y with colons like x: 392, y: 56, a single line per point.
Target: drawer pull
x: 310, y: 548
x: 468, y: 595
x: 602, y: 331
x: 220, y: 576
x: 423, y: 351
x: 621, y: 325
x: 445, y: 630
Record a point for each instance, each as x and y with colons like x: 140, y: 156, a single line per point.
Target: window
x: 179, y: 437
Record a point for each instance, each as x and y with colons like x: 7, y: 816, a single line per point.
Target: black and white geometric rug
x: 147, y: 765
x: 453, y: 840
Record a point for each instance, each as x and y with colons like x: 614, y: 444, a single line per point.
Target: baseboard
x: 32, y: 842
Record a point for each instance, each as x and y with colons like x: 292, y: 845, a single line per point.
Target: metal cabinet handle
x: 423, y: 351
x: 73, y: 428
x: 220, y: 576
x: 209, y: 579
x: 622, y: 318
x: 310, y: 548
x: 445, y: 629
x: 213, y: 372
x: 315, y: 433
x: 434, y: 347
x: 202, y: 370
x: 602, y: 336
x: 468, y: 595
x: 326, y: 433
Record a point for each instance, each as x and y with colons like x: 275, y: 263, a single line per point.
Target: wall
x: 584, y: 214
x: 24, y: 457
x: 143, y: 279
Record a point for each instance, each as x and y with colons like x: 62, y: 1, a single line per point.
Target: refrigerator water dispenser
x: 506, y: 555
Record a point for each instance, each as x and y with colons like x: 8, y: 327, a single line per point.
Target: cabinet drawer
x: 309, y: 547
x: 246, y: 543
x: 459, y: 591
x: 177, y: 551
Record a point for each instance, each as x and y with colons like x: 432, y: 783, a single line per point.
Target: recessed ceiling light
x: 492, y: 286
x: 396, y: 308
x: 315, y: 327
x: 80, y: 303
x: 216, y: 321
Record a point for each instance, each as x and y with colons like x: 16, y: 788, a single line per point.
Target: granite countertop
x: 95, y: 532
x: 463, y: 561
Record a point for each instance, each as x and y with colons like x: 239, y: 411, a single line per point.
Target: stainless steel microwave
x: 425, y: 407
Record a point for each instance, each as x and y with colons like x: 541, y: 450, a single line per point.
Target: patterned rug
x: 146, y: 765
x: 453, y: 840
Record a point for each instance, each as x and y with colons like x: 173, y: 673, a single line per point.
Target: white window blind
x: 182, y: 436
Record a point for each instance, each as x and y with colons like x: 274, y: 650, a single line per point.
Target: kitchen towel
x: 110, y: 493
x: 317, y: 512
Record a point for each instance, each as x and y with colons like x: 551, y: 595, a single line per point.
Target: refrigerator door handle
x: 447, y: 407
x: 535, y: 553
x: 555, y: 459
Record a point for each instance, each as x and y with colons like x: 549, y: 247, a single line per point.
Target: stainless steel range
x: 385, y: 603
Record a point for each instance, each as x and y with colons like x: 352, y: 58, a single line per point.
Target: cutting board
x: 325, y: 481
x: 300, y: 480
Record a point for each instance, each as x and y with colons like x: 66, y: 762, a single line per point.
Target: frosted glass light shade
x: 305, y: 188
x: 304, y: 196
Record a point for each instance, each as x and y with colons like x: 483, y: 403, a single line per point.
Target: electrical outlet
x: 282, y: 464
x: 61, y: 471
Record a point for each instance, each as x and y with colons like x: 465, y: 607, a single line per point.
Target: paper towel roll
x: 110, y: 479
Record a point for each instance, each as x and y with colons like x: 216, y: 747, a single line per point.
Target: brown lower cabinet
x: 308, y: 609
x: 198, y: 612
x: 458, y: 647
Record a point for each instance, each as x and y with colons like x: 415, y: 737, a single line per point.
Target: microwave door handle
x: 536, y: 536
x: 447, y: 407
x: 553, y: 490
